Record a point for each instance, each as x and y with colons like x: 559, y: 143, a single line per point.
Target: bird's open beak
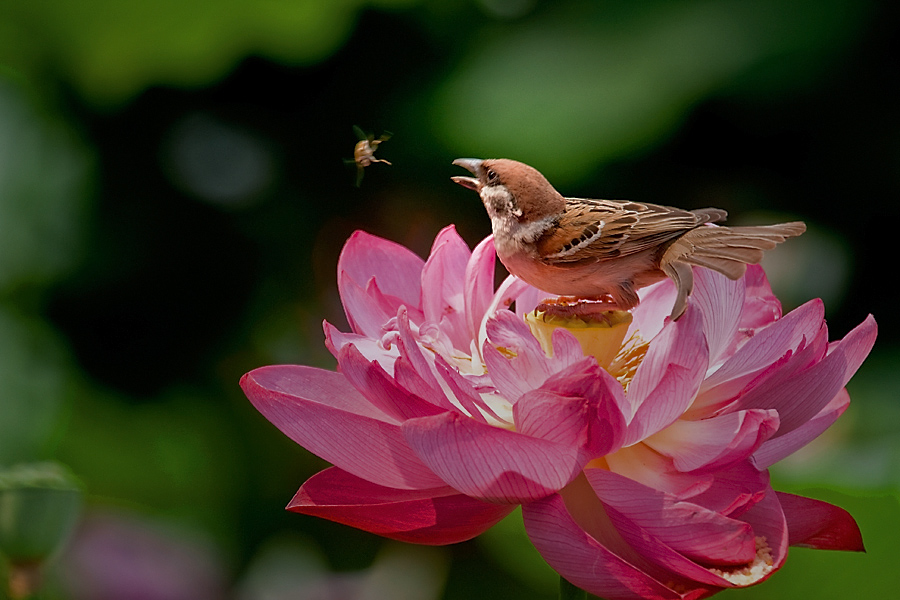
x: 473, y: 165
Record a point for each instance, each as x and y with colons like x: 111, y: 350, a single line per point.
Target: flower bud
x: 39, y: 505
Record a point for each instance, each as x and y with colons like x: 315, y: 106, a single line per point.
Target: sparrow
x: 364, y: 151
x: 596, y: 254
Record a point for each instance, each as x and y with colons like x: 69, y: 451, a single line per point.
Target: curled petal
x: 768, y: 521
x: 410, y: 379
x: 773, y: 450
x: 322, y: 412
x: 761, y: 307
x: 716, y: 442
x: 416, y: 373
x: 504, y: 297
x: 380, y: 389
x: 799, y: 396
x: 479, y: 285
x: 816, y: 524
x: 586, y: 562
x: 489, y: 463
x: 443, y: 280
x: 721, y: 302
x: 371, y: 349
x: 367, y: 309
x: 733, y: 491
x: 396, y: 269
x: 668, y: 378
x: 770, y: 346
x: 640, y: 463
x: 515, y: 359
x: 656, y: 305
x: 463, y: 392
x: 579, y: 407
x: 696, y: 532
x: 435, y: 516
x: 528, y: 300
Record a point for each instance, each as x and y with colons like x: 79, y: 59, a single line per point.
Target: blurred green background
x: 173, y: 199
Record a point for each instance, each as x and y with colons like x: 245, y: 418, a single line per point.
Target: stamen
x: 762, y: 565
x: 627, y: 361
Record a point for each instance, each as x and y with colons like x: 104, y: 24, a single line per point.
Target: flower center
x: 602, y: 338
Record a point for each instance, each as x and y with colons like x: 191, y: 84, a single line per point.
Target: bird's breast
x: 586, y: 279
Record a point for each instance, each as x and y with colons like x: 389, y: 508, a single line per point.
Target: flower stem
x: 567, y: 591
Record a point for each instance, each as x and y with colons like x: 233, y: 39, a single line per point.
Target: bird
x: 595, y: 254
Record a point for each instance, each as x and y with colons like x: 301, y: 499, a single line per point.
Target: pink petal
x: 521, y: 364
x: 642, y: 464
x: 367, y: 309
x: 408, y: 378
x: 414, y: 372
x: 578, y: 407
x: 396, y: 269
x: 587, y: 562
x: 684, y: 573
x: 721, y: 302
x: 733, y: 491
x: 506, y: 294
x: 463, y: 391
x: 778, y: 448
x: 798, y: 397
x: 761, y: 307
x: 380, y: 389
x: 443, y: 280
x: 816, y: 524
x: 764, y: 349
x: 490, y: 463
x: 370, y: 348
x: 479, y: 284
x: 435, y: 517
x: 768, y: 521
x: 688, y: 528
x: 716, y: 442
x: 669, y: 376
x: 654, y: 309
x: 322, y: 412
x: 528, y: 300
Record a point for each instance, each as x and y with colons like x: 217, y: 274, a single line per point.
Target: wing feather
x: 594, y: 230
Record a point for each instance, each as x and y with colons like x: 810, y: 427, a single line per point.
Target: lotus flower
x: 638, y: 447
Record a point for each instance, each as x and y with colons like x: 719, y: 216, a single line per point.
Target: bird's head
x: 510, y: 190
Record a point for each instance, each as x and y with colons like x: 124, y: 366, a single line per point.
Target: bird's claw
x: 587, y: 309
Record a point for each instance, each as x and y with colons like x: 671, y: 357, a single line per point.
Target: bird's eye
x: 492, y: 176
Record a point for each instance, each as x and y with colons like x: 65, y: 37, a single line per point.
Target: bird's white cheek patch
x: 499, y: 201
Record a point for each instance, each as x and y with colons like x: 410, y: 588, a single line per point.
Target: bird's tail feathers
x: 710, y: 215
x: 727, y: 250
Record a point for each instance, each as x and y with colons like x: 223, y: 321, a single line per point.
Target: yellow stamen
x: 629, y: 358
x: 603, y: 338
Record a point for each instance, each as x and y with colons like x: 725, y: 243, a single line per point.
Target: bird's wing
x: 612, y: 228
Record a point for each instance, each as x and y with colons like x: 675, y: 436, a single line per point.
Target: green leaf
x: 110, y: 50
x: 35, y: 372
